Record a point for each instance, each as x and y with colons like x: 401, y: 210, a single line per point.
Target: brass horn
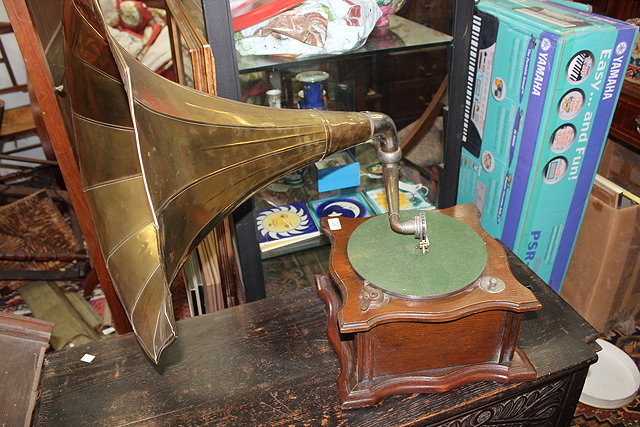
x: 161, y: 163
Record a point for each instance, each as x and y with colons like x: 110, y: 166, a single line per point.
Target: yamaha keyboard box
x: 543, y: 82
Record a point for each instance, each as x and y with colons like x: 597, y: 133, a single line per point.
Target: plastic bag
x: 315, y: 27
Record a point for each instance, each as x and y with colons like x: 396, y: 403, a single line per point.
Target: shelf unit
x: 384, y: 55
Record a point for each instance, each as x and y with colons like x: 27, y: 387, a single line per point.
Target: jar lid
x: 312, y: 76
x: 613, y: 381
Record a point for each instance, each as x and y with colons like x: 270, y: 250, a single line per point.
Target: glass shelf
x: 401, y: 34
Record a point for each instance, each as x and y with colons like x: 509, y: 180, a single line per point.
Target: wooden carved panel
x: 539, y: 407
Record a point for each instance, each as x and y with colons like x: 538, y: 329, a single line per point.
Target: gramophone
x: 419, y: 301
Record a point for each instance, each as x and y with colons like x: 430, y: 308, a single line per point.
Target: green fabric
x: 457, y: 255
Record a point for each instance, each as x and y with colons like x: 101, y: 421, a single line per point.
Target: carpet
x: 289, y: 273
x: 12, y: 302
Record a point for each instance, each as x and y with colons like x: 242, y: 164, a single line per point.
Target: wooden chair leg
x: 426, y: 120
x: 90, y: 283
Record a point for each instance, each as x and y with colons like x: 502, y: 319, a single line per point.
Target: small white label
x: 109, y: 330
x: 87, y: 358
x: 334, y: 224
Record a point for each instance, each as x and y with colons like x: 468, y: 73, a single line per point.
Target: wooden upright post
x: 44, y: 93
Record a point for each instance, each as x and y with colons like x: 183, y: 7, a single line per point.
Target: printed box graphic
x: 543, y: 83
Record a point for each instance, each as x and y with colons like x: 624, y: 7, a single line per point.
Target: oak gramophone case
x: 543, y: 83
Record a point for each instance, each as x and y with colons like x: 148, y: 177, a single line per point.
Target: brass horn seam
x: 257, y: 141
x: 112, y: 182
x: 155, y: 329
x: 99, y: 71
x: 179, y: 192
x: 144, y: 286
x: 102, y: 124
x: 125, y: 240
x: 87, y: 22
x: 163, y: 313
x: 169, y: 339
x: 125, y: 72
x: 141, y: 104
x: 327, y: 132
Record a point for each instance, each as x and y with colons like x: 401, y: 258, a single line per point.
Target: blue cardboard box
x: 543, y: 84
x: 338, y: 171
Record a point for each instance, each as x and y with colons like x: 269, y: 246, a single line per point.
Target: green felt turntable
x: 405, y: 319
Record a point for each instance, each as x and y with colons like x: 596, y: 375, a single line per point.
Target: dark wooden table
x: 269, y: 363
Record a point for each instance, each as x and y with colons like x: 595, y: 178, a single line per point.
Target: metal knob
x: 492, y: 285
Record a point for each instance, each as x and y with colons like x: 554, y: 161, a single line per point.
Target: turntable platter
x: 390, y: 261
